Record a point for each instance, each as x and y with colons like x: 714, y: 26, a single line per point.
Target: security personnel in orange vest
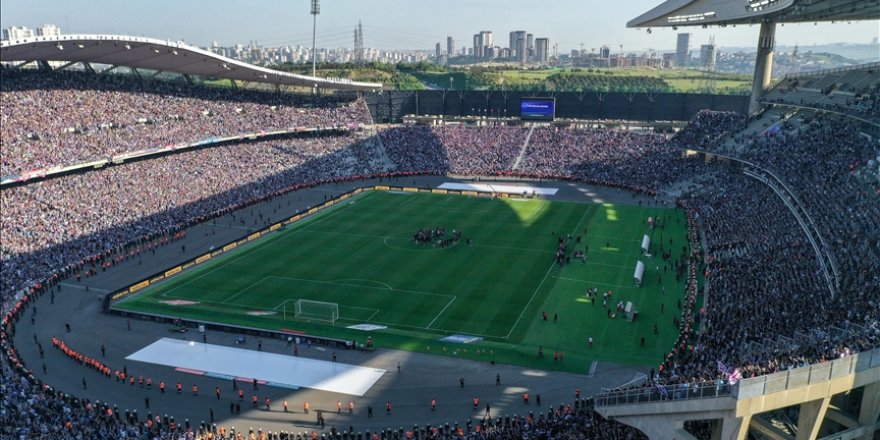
x: 285, y: 405
x: 306, y: 407
x: 351, y: 408
x: 195, y: 390
x: 476, y: 403
x: 433, y: 405
x: 179, y: 387
x: 338, y: 407
x: 254, y: 401
x: 240, y: 394
x: 162, y: 386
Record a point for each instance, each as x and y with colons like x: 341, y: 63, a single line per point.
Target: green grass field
x: 360, y: 255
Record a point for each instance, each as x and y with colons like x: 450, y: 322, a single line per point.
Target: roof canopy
x: 724, y: 12
x: 160, y: 55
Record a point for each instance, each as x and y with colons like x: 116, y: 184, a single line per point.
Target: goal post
x: 316, y: 310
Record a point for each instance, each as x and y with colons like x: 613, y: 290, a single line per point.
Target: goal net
x: 317, y: 310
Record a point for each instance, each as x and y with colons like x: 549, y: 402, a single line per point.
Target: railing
x: 834, y: 70
x: 745, y: 388
x: 822, y: 254
x: 811, y: 374
x: 825, y: 258
x: 663, y: 393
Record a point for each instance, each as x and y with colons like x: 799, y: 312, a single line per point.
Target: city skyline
x: 396, y: 24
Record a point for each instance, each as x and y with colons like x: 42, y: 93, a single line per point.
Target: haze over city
x: 398, y: 24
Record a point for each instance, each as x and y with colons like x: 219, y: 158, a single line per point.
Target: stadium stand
x: 66, y: 118
x: 852, y: 91
x: 762, y: 277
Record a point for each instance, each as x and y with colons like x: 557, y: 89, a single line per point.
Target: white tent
x: 646, y: 243
x: 640, y: 272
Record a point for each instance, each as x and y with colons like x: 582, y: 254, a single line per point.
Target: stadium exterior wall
x: 391, y: 106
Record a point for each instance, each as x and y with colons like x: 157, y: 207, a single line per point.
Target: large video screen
x: 537, y: 109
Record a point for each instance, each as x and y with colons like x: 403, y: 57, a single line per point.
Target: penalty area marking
x: 369, y: 281
x: 441, y: 312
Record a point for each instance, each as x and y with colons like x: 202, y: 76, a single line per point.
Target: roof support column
x: 763, y: 63
x: 810, y: 418
x: 870, y: 408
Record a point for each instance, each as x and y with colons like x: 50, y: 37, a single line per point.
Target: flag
x: 723, y: 369
x: 663, y: 391
x: 735, y: 377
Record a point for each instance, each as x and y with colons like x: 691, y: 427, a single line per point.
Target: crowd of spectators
x: 763, y: 281
x: 818, y: 161
x: 770, y: 309
x: 619, y: 158
x: 66, y: 118
x: 51, y: 224
x: 706, y: 128
x: 762, y: 274
x: 454, y: 149
x: 640, y: 161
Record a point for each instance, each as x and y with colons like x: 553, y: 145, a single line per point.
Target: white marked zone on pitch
x: 346, y: 306
x: 384, y: 289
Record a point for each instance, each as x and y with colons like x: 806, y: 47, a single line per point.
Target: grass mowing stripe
x: 361, y: 256
x: 547, y: 274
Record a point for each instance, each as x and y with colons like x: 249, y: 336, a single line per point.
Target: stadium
x: 195, y: 247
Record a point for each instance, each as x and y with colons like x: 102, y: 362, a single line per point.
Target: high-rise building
x: 515, y: 36
x: 604, y: 52
x: 478, y: 46
x: 521, y: 50
x: 530, y: 45
x: 48, y: 30
x: 17, y: 33
x: 486, y: 38
x: 438, y: 50
x: 683, y: 49
x: 450, y: 47
x: 542, y: 50
x: 708, y: 55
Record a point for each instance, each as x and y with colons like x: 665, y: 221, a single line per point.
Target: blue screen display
x: 538, y: 109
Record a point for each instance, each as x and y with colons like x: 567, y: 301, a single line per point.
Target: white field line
x: 232, y: 260
x: 243, y: 290
x: 441, y: 312
x: 337, y: 283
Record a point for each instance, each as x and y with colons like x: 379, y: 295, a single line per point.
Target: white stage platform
x: 279, y: 369
x: 500, y: 188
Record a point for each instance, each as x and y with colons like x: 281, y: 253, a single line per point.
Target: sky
x: 398, y: 24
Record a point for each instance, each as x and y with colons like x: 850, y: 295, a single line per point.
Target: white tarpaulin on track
x: 270, y: 367
x: 499, y: 188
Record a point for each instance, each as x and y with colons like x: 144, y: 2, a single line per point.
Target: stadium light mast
x: 316, y: 9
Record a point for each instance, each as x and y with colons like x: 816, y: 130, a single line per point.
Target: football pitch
x: 492, y: 286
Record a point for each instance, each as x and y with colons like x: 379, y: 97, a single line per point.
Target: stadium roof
x: 159, y: 55
x: 724, y: 12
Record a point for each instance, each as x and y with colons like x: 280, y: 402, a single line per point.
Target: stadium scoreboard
x: 537, y: 109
